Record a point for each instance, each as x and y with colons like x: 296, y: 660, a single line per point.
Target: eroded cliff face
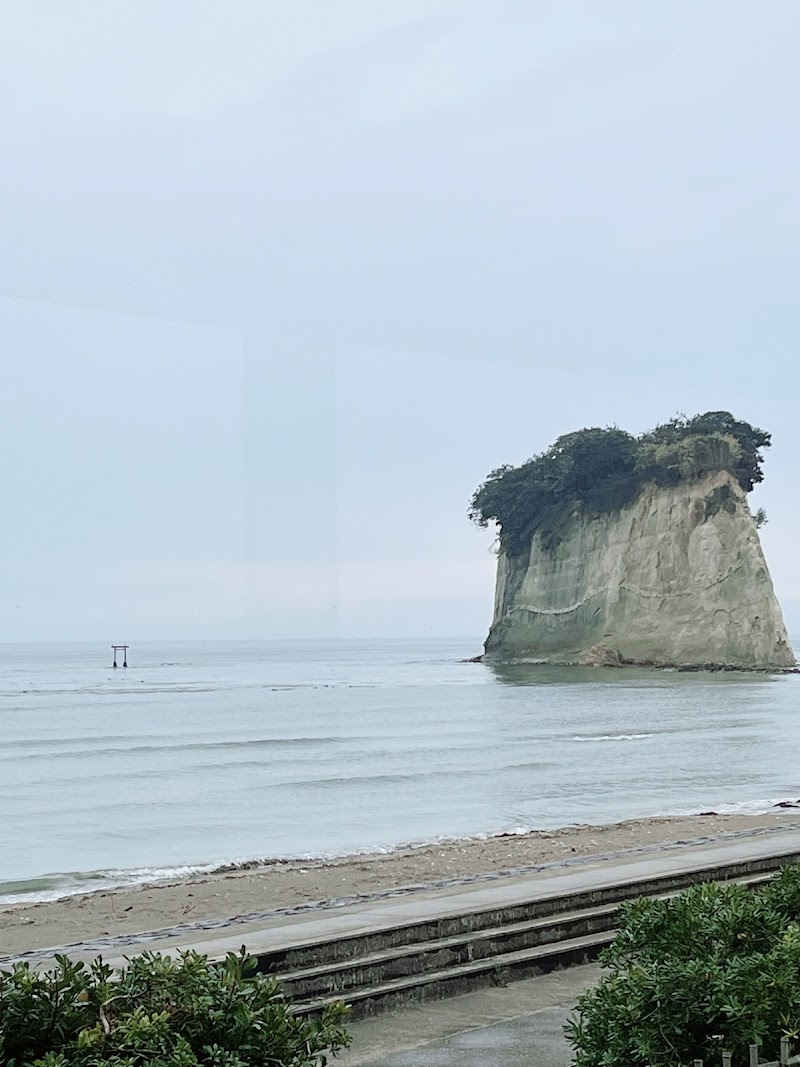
x: 677, y: 577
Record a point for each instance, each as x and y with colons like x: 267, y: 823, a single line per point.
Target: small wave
x: 769, y: 806
x: 56, y: 886
x: 150, y: 690
x: 46, y: 743
x: 611, y: 737
x: 92, y: 751
x: 530, y: 765
x: 126, y: 689
x: 387, y: 778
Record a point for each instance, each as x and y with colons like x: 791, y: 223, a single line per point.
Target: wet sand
x: 288, y: 884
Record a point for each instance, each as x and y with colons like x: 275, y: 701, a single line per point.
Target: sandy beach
x: 228, y: 893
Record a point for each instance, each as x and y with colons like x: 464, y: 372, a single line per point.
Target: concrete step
x: 462, y: 978
x: 417, y: 970
x: 341, y: 977
x: 346, y: 947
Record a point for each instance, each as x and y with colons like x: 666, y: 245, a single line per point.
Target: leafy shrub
x: 596, y: 471
x: 750, y: 440
x: 716, y: 967
x: 688, y: 458
x: 158, y: 1012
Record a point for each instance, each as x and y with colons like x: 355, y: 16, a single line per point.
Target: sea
x: 204, y: 754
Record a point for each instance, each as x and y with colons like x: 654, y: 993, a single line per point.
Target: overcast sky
x: 280, y: 283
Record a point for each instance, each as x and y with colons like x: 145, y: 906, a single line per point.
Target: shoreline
x: 57, y: 887
x: 232, y: 890
x: 646, y: 665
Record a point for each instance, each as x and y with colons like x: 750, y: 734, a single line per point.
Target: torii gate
x: 124, y: 650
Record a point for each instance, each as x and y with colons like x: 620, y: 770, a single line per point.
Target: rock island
x: 616, y: 549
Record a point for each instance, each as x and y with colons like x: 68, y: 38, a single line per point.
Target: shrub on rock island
x: 599, y: 470
x: 715, y: 968
x: 158, y: 1012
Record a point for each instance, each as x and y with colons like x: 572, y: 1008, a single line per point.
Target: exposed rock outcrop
x: 676, y: 577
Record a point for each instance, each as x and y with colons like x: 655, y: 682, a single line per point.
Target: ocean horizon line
x: 329, y: 639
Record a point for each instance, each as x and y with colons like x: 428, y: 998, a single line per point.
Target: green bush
x: 158, y: 1012
x: 596, y: 471
x: 592, y: 469
x: 687, y: 459
x: 716, y: 967
x: 750, y: 441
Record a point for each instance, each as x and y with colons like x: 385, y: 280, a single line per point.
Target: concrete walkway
x: 500, y: 1027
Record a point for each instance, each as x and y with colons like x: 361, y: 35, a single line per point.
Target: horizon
x: 794, y: 636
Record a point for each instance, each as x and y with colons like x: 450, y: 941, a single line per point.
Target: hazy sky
x: 280, y: 283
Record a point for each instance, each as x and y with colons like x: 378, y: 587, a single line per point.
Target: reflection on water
x: 548, y: 674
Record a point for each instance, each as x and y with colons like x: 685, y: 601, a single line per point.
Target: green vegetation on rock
x: 158, y: 1012
x: 599, y: 470
x: 714, y: 968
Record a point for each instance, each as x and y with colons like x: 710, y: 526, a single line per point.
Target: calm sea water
x: 204, y: 753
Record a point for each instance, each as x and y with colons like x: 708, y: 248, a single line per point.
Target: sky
x: 281, y: 283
